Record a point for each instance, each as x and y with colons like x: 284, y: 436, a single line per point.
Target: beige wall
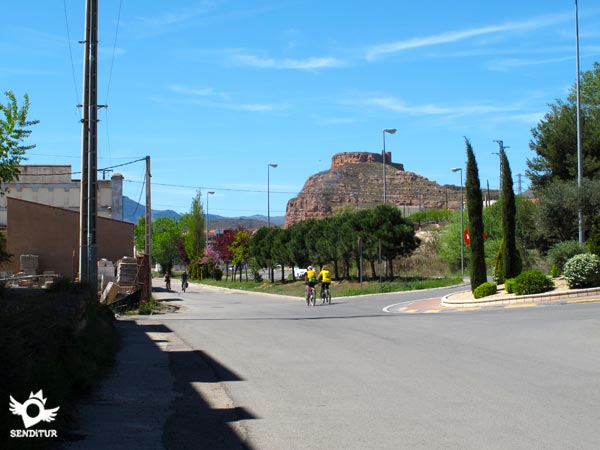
x: 52, y: 185
x: 53, y: 234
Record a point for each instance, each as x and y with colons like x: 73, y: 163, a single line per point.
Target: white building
x: 52, y: 185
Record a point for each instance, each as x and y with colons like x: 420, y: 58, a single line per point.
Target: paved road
x: 267, y: 372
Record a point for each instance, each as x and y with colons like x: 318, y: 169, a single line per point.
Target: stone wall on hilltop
x: 356, y: 179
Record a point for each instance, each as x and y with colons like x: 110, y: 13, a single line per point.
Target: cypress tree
x: 511, y: 261
x: 475, y: 212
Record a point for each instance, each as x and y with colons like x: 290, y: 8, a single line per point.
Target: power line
x: 71, y: 54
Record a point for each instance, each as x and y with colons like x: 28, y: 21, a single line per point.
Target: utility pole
x: 148, y: 246
x: 579, y: 145
x: 83, y: 203
x: 93, y: 147
x: 502, y: 148
x: 519, y: 175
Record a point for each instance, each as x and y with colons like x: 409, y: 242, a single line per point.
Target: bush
x: 532, y: 282
x: 560, y: 253
x: 582, y: 271
x: 555, y: 271
x: 485, y: 289
x: 509, y: 285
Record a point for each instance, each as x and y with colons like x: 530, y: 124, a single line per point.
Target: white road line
x: 407, y: 302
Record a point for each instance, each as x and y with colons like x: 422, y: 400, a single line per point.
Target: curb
x: 567, y: 296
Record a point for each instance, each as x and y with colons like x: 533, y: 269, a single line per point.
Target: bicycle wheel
x: 328, y: 297
x: 313, y: 297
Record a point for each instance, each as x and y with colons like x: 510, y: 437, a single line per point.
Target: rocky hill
x: 356, y: 179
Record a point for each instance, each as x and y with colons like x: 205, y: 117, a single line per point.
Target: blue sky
x: 214, y: 91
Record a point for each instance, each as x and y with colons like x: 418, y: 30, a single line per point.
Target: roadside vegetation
x: 59, y: 340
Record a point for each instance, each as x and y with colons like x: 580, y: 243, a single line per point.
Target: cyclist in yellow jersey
x: 310, y: 279
x: 325, y: 278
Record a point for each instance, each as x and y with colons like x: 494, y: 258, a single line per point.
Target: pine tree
x: 475, y: 212
x: 511, y: 260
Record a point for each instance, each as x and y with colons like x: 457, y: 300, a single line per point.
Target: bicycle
x: 168, y: 284
x: 325, y: 295
x: 184, y: 285
x: 311, y: 297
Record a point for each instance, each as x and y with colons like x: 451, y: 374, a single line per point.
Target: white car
x: 299, y: 272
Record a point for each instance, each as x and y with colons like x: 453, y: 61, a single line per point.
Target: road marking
x: 432, y: 311
x: 387, y: 308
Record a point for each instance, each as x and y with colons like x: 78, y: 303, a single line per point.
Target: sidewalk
x: 161, y: 394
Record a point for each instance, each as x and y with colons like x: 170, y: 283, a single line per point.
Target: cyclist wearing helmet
x: 310, y: 279
x: 325, y: 278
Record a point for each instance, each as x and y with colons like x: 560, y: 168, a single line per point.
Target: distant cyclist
x: 325, y: 278
x: 310, y: 279
x: 168, y: 280
x: 184, y: 281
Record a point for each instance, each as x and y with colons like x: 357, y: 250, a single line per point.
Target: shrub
x: 555, y: 271
x: 560, y: 253
x: 509, y: 285
x: 582, y: 271
x: 532, y: 282
x: 485, y: 289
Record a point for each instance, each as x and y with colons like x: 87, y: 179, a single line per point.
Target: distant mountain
x: 132, y: 211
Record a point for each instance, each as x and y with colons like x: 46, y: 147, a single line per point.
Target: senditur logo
x: 24, y: 409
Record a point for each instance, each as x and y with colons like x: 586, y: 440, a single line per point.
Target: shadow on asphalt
x: 193, y: 423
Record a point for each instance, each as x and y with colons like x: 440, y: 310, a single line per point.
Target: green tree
x: 14, y: 129
x: 511, y: 261
x: 475, y: 214
x: 166, y: 235
x: 195, y: 239
x: 139, y: 234
x: 241, y: 250
x: 554, y: 139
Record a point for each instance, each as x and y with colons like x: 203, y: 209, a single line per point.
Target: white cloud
x: 288, y: 63
x: 378, y: 51
x: 202, y: 92
x: 393, y: 104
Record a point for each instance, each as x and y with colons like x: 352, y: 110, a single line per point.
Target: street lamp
x: 390, y: 131
x: 269, y: 193
x: 207, y: 194
x: 579, y: 163
x: 462, y: 208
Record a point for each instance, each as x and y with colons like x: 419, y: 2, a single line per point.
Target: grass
x: 338, y: 288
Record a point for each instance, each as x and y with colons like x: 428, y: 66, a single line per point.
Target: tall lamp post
x: 207, y: 194
x: 579, y: 164
x: 383, y: 154
x: 462, y: 225
x: 269, y: 193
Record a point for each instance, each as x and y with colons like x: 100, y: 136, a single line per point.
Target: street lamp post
x: 383, y: 154
x: 269, y: 193
x: 207, y: 194
x: 579, y: 157
x: 462, y: 225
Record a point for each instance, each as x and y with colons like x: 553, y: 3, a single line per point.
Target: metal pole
x: 148, y: 246
x: 579, y: 164
x: 384, y: 177
x: 93, y: 152
x: 206, y: 241
x: 462, y: 226
x: 83, y: 204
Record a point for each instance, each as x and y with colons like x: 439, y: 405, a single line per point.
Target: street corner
x: 425, y: 306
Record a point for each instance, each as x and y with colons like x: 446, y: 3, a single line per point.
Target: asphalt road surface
x: 352, y: 376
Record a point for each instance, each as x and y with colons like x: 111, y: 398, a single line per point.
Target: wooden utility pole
x: 148, y: 246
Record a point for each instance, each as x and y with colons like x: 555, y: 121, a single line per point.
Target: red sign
x: 466, y: 237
